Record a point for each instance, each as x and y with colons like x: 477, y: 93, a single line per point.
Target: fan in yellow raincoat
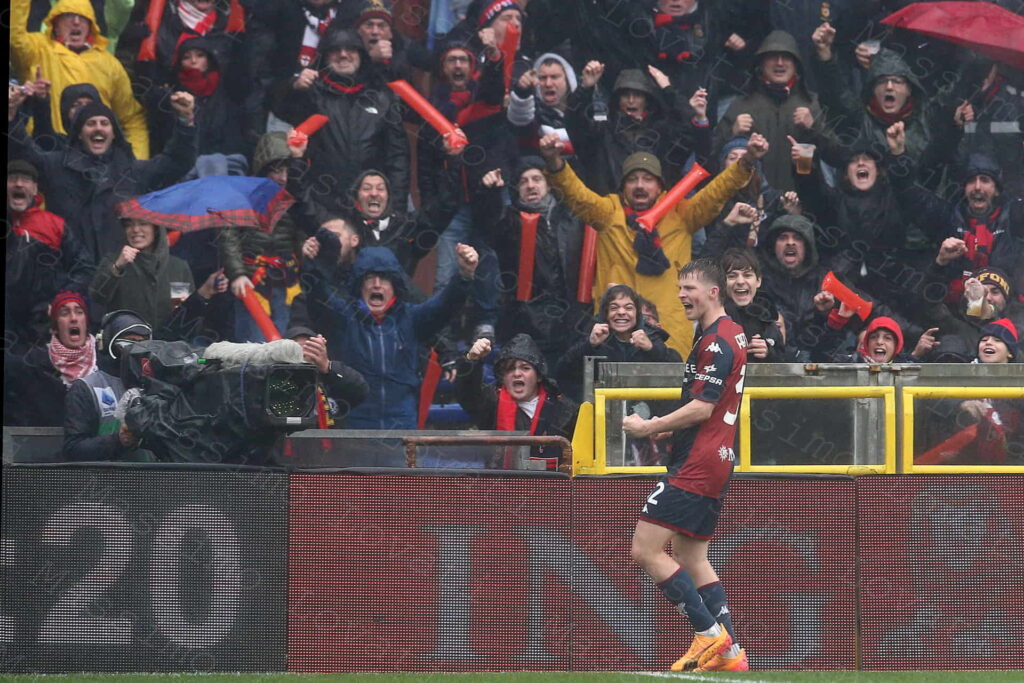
x: 647, y: 262
x: 72, y: 50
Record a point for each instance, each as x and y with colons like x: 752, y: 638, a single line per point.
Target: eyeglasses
x: 895, y: 80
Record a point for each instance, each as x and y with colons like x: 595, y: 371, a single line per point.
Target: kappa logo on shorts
x: 714, y: 347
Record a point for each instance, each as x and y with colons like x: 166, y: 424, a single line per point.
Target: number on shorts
x: 654, y: 494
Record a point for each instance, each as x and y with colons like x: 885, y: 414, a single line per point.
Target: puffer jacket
x: 83, y: 188
x: 386, y: 353
x: 364, y: 131
x: 62, y: 68
x: 773, y: 118
x: 142, y: 286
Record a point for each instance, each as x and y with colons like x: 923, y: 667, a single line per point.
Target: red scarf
x: 780, y: 90
x: 978, y: 235
x: 507, y: 407
x: 347, y: 89
x: 875, y: 109
x: 661, y: 19
x: 475, y: 112
x: 199, y: 83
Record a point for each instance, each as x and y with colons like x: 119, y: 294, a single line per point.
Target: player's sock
x: 713, y: 596
x: 680, y: 591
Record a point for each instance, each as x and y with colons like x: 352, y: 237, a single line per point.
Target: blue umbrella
x: 212, y: 202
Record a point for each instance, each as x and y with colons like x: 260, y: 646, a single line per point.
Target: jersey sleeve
x: 714, y: 363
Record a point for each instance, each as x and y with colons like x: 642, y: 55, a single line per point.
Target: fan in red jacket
x: 42, y: 258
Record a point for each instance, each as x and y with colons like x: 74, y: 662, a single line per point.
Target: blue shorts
x: 682, y: 511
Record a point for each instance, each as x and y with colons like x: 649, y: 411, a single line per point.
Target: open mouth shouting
x: 19, y: 198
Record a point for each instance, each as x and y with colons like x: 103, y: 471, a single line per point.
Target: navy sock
x: 713, y: 596
x: 680, y: 591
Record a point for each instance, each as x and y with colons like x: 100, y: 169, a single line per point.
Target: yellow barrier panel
x: 601, y: 396
x: 912, y: 393
x: 887, y: 394
x: 599, y: 464
x: 583, y: 439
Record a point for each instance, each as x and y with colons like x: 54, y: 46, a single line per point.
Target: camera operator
x: 91, y: 430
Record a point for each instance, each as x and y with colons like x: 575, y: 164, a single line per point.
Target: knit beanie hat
x: 63, y: 297
x: 374, y: 9
x: 1005, y: 331
x: 996, y: 277
x: 490, y: 9
x: 735, y: 143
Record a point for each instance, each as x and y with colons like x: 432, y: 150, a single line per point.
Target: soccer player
x: 684, y: 506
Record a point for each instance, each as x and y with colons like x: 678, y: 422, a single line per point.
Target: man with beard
x: 627, y: 253
x: 792, y: 278
x: 985, y: 228
x: 364, y: 130
x: 43, y: 258
x: 524, y: 400
x: 391, y: 53
x: 83, y: 183
x: 549, y: 312
x: 91, y: 429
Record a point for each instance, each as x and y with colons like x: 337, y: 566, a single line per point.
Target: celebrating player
x: 684, y: 506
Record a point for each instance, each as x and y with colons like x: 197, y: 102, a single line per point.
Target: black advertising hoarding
x: 143, y: 570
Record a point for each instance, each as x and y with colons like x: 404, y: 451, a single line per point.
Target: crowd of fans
x: 835, y: 144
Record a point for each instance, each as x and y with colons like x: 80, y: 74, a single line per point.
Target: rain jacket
x: 616, y: 258
x: 773, y: 118
x: 62, y: 67
x: 386, y: 353
x: 852, y: 120
x: 143, y: 286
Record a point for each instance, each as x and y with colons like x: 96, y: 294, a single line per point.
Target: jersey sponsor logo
x: 710, y: 368
x: 741, y: 340
x: 714, y: 347
x: 106, y: 400
x: 710, y: 379
x: 690, y: 368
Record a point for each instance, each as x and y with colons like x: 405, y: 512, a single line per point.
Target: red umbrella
x: 981, y: 26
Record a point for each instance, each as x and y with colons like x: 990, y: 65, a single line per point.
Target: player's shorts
x: 682, y: 511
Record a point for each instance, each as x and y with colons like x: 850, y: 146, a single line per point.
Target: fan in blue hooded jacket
x: 378, y: 333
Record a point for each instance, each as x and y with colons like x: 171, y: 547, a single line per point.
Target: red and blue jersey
x: 702, y: 456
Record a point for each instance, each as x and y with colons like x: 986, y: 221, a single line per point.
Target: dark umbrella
x: 981, y: 26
